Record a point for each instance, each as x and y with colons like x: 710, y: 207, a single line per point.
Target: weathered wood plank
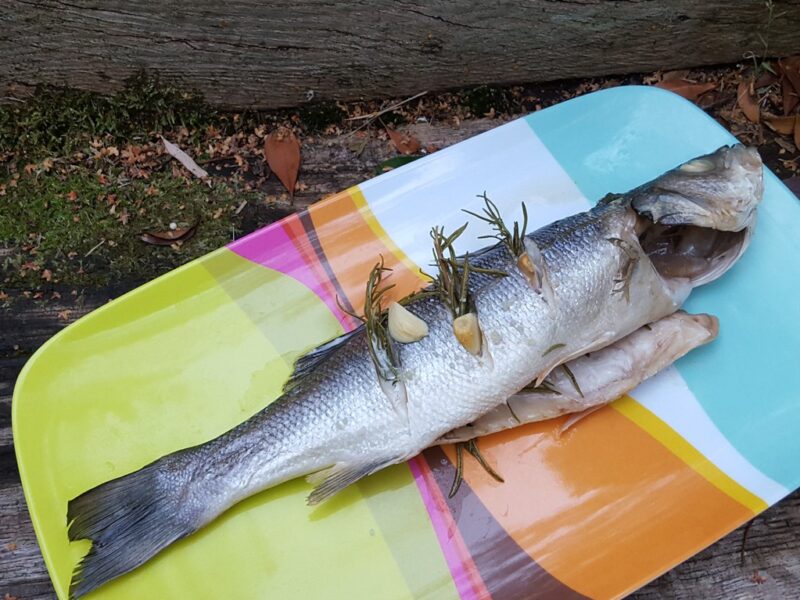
x: 280, y: 53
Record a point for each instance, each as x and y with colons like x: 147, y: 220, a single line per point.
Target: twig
x: 383, y: 111
x: 95, y: 247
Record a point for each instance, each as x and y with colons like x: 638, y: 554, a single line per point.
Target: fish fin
x: 335, y: 478
x: 539, y: 277
x: 309, y: 361
x: 576, y: 417
x: 128, y: 520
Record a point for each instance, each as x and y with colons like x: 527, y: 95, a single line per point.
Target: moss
x: 482, y: 99
x: 84, y: 229
x: 58, y: 120
x: 315, y: 117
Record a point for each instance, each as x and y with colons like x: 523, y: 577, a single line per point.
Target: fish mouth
x: 693, y: 253
x: 696, y: 220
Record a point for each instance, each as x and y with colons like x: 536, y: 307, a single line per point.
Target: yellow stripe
x: 695, y: 459
x: 366, y: 212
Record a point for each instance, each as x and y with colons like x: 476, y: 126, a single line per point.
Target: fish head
x: 696, y: 220
x: 720, y: 190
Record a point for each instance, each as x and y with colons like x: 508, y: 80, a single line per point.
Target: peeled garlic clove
x: 528, y: 269
x: 404, y: 326
x: 468, y: 332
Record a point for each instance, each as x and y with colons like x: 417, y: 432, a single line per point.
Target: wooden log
x: 281, y: 53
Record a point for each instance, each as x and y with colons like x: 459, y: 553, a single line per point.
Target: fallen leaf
x: 282, y: 151
x: 72, y: 196
x: 404, y: 142
x: 766, y: 79
x: 11, y: 546
x: 790, y: 67
x: 789, y: 96
x: 782, y: 125
x: 64, y: 315
x: 747, y: 102
x: 797, y: 130
x: 3, y: 296
x: 47, y: 275
x: 687, y: 89
x: 674, y: 75
x: 183, y: 158
x: 123, y: 217
x: 167, y: 238
x: 394, y: 162
x: 29, y: 168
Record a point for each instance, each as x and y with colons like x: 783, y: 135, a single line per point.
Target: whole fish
x: 580, y: 284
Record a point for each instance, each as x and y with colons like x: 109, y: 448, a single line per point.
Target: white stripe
x: 509, y: 163
x: 669, y: 397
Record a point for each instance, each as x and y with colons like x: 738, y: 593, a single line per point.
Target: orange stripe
x: 352, y: 249
x: 605, y: 508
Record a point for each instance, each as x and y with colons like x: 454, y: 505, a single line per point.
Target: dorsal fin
x: 306, y: 363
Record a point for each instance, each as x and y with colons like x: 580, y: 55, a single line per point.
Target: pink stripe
x: 442, y: 527
x: 272, y: 247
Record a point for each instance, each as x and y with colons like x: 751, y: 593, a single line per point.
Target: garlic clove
x: 468, y: 332
x: 404, y: 326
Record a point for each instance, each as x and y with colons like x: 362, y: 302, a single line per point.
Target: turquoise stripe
x: 619, y: 138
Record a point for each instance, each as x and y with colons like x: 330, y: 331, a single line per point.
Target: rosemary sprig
x: 513, y: 239
x: 472, y: 447
x: 451, y: 283
x: 380, y: 347
x: 571, y: 376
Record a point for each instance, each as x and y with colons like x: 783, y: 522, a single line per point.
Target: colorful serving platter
x: 597, y: 512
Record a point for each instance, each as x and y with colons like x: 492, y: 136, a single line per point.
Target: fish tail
x: 128, y: 520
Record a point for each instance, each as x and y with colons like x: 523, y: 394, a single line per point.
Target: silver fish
x: 599, y: 275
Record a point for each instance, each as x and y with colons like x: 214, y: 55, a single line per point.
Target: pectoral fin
x: 335, y: 478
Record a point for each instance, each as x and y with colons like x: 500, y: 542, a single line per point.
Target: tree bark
x: 246, y: 53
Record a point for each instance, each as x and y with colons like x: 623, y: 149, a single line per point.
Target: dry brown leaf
x: 167, y: 238
x: 797, y: 130
x: 747, y: 102
x: 11, y: 546
x: 64, y: 314
x: 687, y: 89
x: 789, y: 97
x: 766, y: 79
x: 674, y: 75
x: 183, y: 158
x: 282, y: 151
x: 790, y: 67
x: 47, y: 275
x: 782, y: 125
x: 404, y: 142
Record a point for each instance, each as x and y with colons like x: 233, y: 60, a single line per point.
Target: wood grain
x: 246, y: 53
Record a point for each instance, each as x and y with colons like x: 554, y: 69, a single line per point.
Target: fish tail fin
x: 128, y: 520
